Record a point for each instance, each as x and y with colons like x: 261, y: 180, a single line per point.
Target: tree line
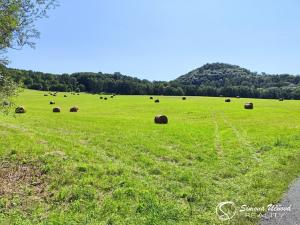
x: 210, y: 80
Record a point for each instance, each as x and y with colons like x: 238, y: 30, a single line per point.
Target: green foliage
x: 17, y: 29
x: 17, y: 19
x: 8, y: 90
x: 210, y: 80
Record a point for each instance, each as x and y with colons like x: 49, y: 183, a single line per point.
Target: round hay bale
x: 52, y: 102
x: 56, y: 110
x: 249, y: 105
x: 228, y: 100
x: 105, y: 98
x: 78, y: 94
x: 101, y: 97
x: 112, y: 96
x: 65, y: 96
x: 151, y: 98
x: 183, y: 98
x: 281, y: 99
x: 156, y: 101
x: 161, y: 119
x: 20, y: 109
x: 74, y: 109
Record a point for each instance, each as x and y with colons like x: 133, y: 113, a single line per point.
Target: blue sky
x: 162, y: 39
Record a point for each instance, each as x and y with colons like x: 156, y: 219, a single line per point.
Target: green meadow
x: 110, y: 163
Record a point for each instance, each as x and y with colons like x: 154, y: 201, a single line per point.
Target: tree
x: 17, y: 29
x: 8, y: 88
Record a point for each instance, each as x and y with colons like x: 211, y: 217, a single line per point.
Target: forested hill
x: 232, y: 80
x: 225, y: 75
x: 217, y: 74
x: 209, y: 80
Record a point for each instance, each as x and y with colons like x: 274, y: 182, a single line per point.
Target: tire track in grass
x: 242, y: 139
x: 218, y: 143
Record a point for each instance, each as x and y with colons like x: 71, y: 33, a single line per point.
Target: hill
x: 209, y: 80
x: 231, y: 80
x: 217, y: 75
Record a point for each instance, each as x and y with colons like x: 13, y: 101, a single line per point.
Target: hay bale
x: 65, y: 96
x: 101, y: 97
x: 20, y: 109
x: 56, y: 110
x: 161, y: 119
x: 151, y: 98
x: 45, y: 95
x: 281, y: 99
x: 74, y: 109
x: 156, y: 101
x: 183, y: 98
x: 105, y: 98
x: 112, y: 96
x: 249, y: 105
x: 78, y: 94
x: 228, y: 100
x: 52, y: 102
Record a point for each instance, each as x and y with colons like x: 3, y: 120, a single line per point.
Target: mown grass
x: 110, y: 164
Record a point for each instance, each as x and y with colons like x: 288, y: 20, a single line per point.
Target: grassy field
x: 110, y: 164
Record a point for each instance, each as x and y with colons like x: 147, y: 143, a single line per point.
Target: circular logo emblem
x: 226, y: 210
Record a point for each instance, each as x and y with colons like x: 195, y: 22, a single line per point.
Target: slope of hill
x: 222, y: 75
x: 217, y: 73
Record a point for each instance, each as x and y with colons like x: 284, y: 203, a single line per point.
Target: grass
x: 110, y: 164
